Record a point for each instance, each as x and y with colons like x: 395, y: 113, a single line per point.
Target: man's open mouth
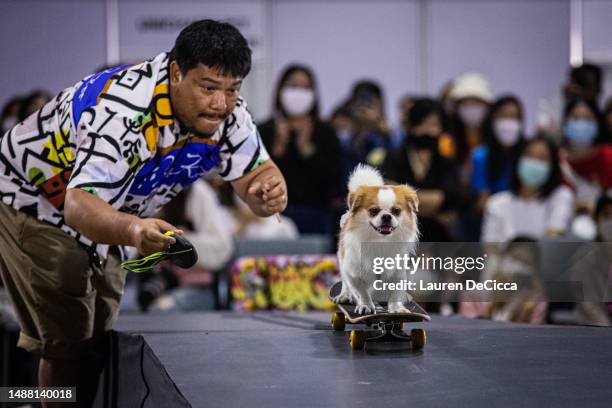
x: 384, y: 229
x: 212, y: 118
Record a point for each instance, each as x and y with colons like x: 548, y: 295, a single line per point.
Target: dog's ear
x: 354, y: 201
x: 410, y: 197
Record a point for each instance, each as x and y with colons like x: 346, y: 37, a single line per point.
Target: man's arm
x: 263, y: 189
x: 100, y: 222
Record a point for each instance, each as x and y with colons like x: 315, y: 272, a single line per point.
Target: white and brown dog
x: 377, y: 213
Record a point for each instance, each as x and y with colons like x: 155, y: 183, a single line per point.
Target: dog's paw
x: 342, y: 298
x: 364, y: 309
x: 397, y: 308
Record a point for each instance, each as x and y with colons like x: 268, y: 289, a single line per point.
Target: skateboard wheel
x: 338, y: 321
x: 357, y: 339
x: 418, y: 338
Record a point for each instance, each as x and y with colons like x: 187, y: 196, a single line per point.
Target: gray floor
x: 289, y: 360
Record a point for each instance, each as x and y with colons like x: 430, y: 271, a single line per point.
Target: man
x: 79, y: 178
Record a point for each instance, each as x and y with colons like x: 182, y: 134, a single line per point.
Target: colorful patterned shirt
x: 114, y: 134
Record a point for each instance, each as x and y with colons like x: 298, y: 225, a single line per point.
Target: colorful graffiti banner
x: 283, y: 282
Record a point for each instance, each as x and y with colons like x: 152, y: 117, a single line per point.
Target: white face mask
x: 507, y: 131
x: 297, y: 101
x: 472, y: 113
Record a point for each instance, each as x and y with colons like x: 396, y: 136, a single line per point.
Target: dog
x: 377, y: 213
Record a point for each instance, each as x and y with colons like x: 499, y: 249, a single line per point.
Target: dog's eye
x: 374, y: 211
x: 396, y: 211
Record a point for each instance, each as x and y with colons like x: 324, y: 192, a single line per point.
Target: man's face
x: 202, y: 98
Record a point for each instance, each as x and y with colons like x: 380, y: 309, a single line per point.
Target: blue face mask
x: 581, y: 132
x: 533, y: 172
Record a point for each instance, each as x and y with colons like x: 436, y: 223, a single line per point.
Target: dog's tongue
x: 386, y: 229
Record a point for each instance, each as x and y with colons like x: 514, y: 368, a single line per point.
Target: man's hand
x: 147, y: 235
x: 270, y: 193
x: 263, y: 189
x: 100, y: 222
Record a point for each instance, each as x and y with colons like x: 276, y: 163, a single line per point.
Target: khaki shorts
x: 60, y: 300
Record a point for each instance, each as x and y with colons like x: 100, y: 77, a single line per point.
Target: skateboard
x: 388, y: 327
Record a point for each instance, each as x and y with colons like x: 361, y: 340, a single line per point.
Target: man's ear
x: 175, y: 73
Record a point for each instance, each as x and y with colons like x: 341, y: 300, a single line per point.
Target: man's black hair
x: 215, y: 44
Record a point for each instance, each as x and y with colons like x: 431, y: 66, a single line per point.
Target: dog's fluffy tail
x: 364, y: 175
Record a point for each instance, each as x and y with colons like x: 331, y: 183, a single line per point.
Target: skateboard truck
x: 385, y: 327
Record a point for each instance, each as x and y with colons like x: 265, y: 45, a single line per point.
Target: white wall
x: 345, y: 41
x: 522, y: 46
x: 49, y: 45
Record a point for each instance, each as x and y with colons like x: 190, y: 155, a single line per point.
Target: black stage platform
x: 292, y: 360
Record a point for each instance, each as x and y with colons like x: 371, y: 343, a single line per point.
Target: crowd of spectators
x: 480, y: 174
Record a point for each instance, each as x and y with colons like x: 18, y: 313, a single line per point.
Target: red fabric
x: 597, y: 168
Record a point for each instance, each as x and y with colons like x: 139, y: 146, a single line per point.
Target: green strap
x: 147, y: 263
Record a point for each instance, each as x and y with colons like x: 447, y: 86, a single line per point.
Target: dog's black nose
x: 386, y: 218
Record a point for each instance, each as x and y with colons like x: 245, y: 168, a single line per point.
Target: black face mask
x: 422, y: 142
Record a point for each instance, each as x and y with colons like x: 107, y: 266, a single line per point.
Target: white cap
x: 472, y: 85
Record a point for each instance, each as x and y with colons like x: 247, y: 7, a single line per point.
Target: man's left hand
x: 270, y: 193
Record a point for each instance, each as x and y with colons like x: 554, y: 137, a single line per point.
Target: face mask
x: 533, y: 172
x: 297, y: 101
x: 428, y: 142
x: 581, y: 132
x: 472, y: 114
x: 605, y: 229
x: 507, y: 131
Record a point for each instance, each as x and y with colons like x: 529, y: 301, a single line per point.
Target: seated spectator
x: 584, y: 82
x: 517, y: 262
x: 492, y: 162
x: 306, y: 150
x: 32, y: 103
x: 537, y: 204
x: 342, y: 123
x: 418, y: 163
x: 472, y: 95
x: 10, y: 114
x: 398, y: 133
x: 370, y: 137
x: 588, y: 164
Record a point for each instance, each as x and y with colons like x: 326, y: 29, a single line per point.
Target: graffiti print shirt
x: 113, y: 134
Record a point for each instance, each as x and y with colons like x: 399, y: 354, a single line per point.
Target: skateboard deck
x: 417, y: 313
x: 388, y: 326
